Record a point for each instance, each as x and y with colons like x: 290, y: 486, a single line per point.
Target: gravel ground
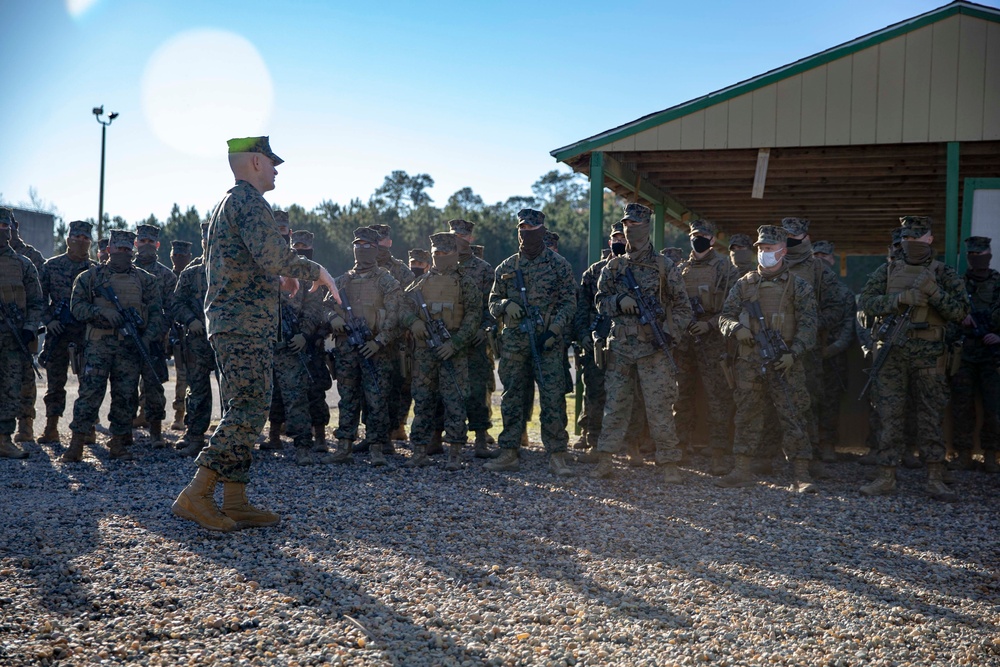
x: 398, y: 567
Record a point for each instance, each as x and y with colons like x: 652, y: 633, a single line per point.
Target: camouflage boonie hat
x: 477, y: 250
x: 443, y: 242
x: 6, y: 215
x: 121, y: 238
x: 103, y: 243
x: 914, y: 226
x: 147, y: 232
x: 281, y: 218
x: 551, y: 239
x: 253, y: 145
x: 794, y: 226
x: 977, y: 244
x: 383, y: 231
x: 618, y: 228
x: 673, y: 254
x: 180, y: 247
x: 419, y: 255
x: 771, y: 235
x: 742, y: 240
x: 823, y: 247
x: 204, y: 230
x: 366, y: 234
x: 703, y: 227
x: 81, y: 228
x: 303, y: 236
x: 460, y: 226
x: 530, y: 216
x: 637, y: 212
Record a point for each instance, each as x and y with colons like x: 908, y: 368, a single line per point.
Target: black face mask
x: 305, y: 252
x: 618, y: 248
x: 531, y: 241
x: 365, y: 258
x: 791, y: 243
x: 146, y: 254
x: 700, y: 244
x: 120, y: 262
x: 384, y: 254
x: 980, y: 262
x: 4, y: 236
x: 417, y: 270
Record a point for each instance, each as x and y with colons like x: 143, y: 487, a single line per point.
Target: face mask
x: 77, y: 248
x: 637, y: 236
x: 791, y: 243
x: 464, y: 249
x: 700, y: 244
x: 180, y: 261
x: 305, y: 252
x: 4, y: 236
x: 146, y: 254
x: 916, y: 252
x: 384, y: 254
x: 119, y: 262
x: 980, y: 262
x: 617, y: 248
x: 531, y: 241
x: 768, y: 260
x: 417, y: 270
x: 365, y: 258
x: 288, y: 238
x: 444, y: 263
x: 742, y: 256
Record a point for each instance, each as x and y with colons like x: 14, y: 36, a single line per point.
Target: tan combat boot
x: 524, y: 437
x: 827, y: 454
x: 303, y: 455
x: 605, y: 466
x: 273, y: 441
x: 25, y: 430
x: 90, y: 437
x: 803, y: 482
x: 8, y: 450
x: 197, y: 503
x: 51, y: 432
x: 140, y: 419
x: 419, y: 458
x: 884, y: 483
x: 398, y: 434
x: 481, y: 450
x: 718, y: 465
x: 740, y: 476
x: 195, y: 443
x: 118, y: 447
x: 454, y: 457
x: 156, y: 434
x: 558, y: 465
x: 581, y: 442
x: 236, y: 506
x: 672, y: 475
x: 74, y: 454
x: 506, y: 462
x: 319, y: 439
x: 437, y: 444
x: 343, y: 453
x: 936, y: 488
x: 375, y: 455
x: 178, y: 424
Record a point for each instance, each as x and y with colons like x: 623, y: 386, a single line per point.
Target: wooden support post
x: 951, y: 230
x: 596, y: 240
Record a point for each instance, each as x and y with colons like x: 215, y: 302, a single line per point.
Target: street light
x: 98, y: 112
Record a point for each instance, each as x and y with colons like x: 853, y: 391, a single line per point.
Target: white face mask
x: 768, y: 259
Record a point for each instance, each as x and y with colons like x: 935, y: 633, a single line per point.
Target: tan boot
x: 8, y: 450
x: 74, y: 454
x: 524, y: 437
x: 581, y: 442
x: 605, y: 466
x: 119, y: 448
x: 388, y: 448
x: 51, y: 432
x: 140, y: 419
x: 936, y: 488
x: 558, y: 465
x: 197, y: 503
x: 376, y: 456
x: 25, y: 430
x: 273, y: 441
x: 718, y: 465
x: 437, y: 445
x: 419, y: 459
x: 672, y: 475
x: 156, y: 434
x: 589, y: 456
x: 178, y: 424
x: 803, y: 481
x: 481, y: 450
x: 490, y: 440
x: 506, y: 462
x: 763, y: 465
x: 303, y: 456
x: 884, y: 483
x: 90, y: 437
x: 454, y: 457
x: 740, y: 476
x: 195, y: 443
x: 827, y: 454
x: 319, y: 439
x: 398, y: 434
x: 236, y: 506
x: 343, y: 454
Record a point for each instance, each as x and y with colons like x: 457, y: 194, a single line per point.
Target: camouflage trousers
x: 180, y: 380
x: 153, y: 398
x: 628, y: 380
x: 477, y: 406
x: 699, y: 362
x: 290, y: 397
x: 319, y: 384
x: 912, y: 373
x: 517, y: 375
x: 109, y: 358
x: 755, y: 395
x: 439, y: 385
x: 57, y: 368
x: 11, y: 373
x: 246, y: 364
x: 199, y: 366
x: 591, y: 420
x: 29, y: 390
x: 834, y: 386
x: 357, y: 389
x: 974, y: 378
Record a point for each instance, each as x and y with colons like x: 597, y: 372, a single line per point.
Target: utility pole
x: 98, y: 112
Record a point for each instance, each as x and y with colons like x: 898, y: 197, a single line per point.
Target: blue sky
x: 474, y: 94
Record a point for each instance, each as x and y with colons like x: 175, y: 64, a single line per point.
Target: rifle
x: 13, y: 318
x: 437, y: 332
x: 358, y: 334
x: 649, y: 314
x: 698, y: 309
x: 532, y: 318
x: 130, y: 326
x: 63, y: 315
x: 289, y: 328
x: 770, y: 346
x: 890, y: 334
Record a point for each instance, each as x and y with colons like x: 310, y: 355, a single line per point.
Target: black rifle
x: 358, y: 334
x: 981, y: 324
x: 289, y: 328
x: 770, y: 347
x: 13, y: 318
x: 698, y: 309
x: 532, y: 318
x: 650, y: 312
x: 890, y: 334
x: 130, y: 327
x: 62, y: 315
x: 437, y: 332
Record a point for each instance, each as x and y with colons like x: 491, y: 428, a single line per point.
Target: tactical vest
x: 127, y: 287
x: 901, y: 277
x: 700, y: 280
x: 443, y: 294
x: 617, y: 266
x: 982, y: 292
x: 367, y: 300
x: 12, y: 281
x: 776, y: 303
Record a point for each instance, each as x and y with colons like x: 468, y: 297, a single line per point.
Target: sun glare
x: 202, y: 87
x: 78, y: 8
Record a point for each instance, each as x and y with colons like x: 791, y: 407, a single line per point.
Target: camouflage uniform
x: 180, y: 257
x: 29, y: 389
x: 292, y: 377
x: 153, y: 398
x: 197, y: 358
x: 742, y: 254
x: 244, y: 256
x: 586, y: 325
x: 632, y: 348
x: 834, y: 353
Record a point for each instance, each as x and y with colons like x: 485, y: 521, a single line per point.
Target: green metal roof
x: 768, y: 78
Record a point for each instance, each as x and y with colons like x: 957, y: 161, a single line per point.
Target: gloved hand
x: 297, y: 343
x: 912, y: 297
x: 479, y: 338
x: 587, y: 344
x: 628, y: 305
x: 370, y: 349
x: 197, y: 327
x: 338, y: 324
x: 699, y: 328
x: 744, y: 335
x: 113, y: 317
x: 55, y: 328
x: 419, y: 329
x: 785, y: 362
x: 446, y: 351
x: 27, y: 335
x: 514, y: 310
x: 930, y: 287
x: 991, y: 339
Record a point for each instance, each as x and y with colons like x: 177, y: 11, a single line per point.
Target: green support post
x: 596, y: 205
x: 659, y: 222
x: 951, y: 230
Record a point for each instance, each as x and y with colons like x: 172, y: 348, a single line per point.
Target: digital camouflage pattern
x: 153, y: 398
x: 834, y: 358
x: 29, y: 390
x: 397, y: 401
x: 480, y: 360
x: 291, y: 386
x: 20, y: 270
x: 198, y: 358
x: 592, y: 417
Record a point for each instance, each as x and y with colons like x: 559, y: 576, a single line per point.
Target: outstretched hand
x: 326, y: 280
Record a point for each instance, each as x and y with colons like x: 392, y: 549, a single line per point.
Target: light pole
x: 98, y: 112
